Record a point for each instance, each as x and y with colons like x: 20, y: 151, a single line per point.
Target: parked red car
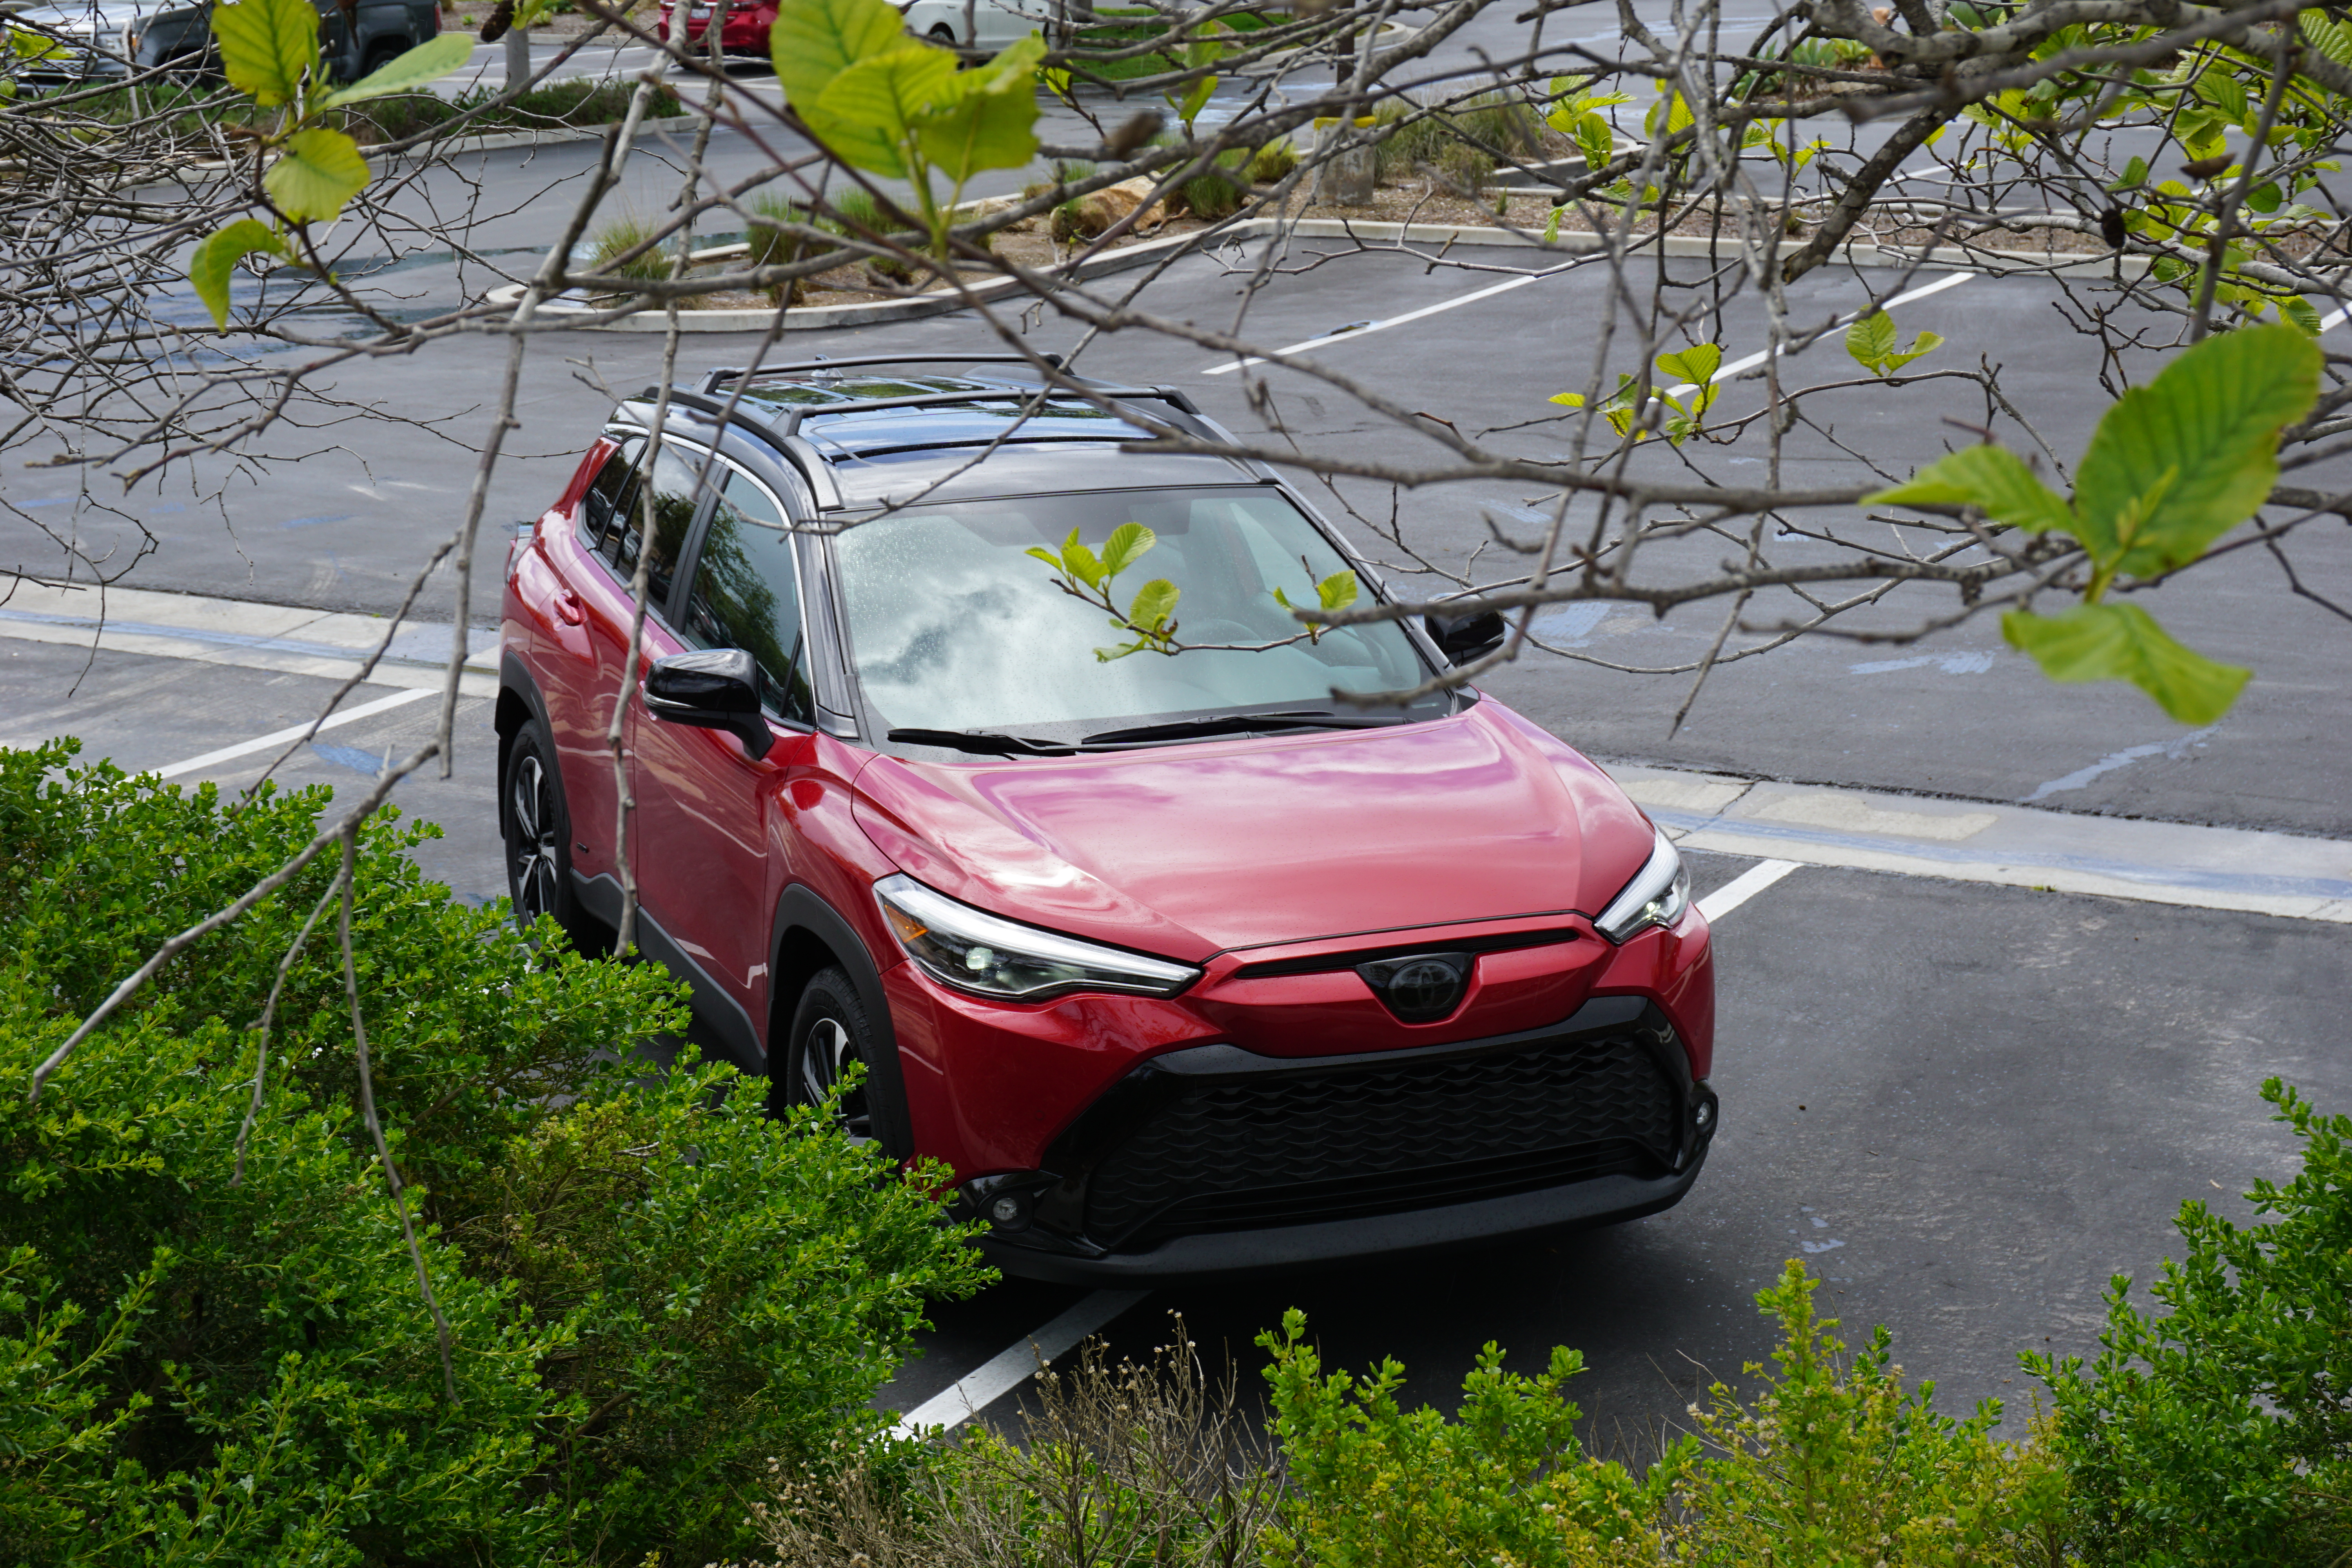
x: 744, y: 31
x: 1184, y: 967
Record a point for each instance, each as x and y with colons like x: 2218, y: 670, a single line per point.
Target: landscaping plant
x: 213, y: 1344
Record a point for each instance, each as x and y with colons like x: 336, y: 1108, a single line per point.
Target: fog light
x: 1008, y: 1210
x: 1703, y: 1115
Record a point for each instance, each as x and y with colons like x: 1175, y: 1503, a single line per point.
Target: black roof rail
x: 712, y: 380
x: 793, y: 417
x: 718, y: 409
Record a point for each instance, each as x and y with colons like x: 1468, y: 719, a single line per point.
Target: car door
x: 637, y: 506
x: 999, y: 23
x: 710, y: 856
x: 567, y: 564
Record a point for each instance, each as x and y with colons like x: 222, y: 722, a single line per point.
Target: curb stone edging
x: 820, y: 317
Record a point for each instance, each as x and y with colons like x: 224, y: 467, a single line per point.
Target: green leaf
x: 1050, y: 558
x: 1990, y: 478
x: 2265, y: 197
x: 987, y: 118
x: 2301, y: 312
x: 315, y: 174
x: 268, y: 47
x: 1154, y: 603
x: 1871, y: 340
x: 1696, y: 365
x: 1195, y: 98
x: 1338, y: 591
x: 425, y: 63
x: 2123, y: 642
x: 1079, y: 562
x: 1126, y: 542
x: 216, y: 254
x: 813, y: 41
x: 1925, y: 344
x: 868, y: 114
x: 2214, y: 415
x: 2134, y: 175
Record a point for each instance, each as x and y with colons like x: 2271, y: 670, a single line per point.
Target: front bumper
x: 1580, y: 1205
x: 1212, y: 1160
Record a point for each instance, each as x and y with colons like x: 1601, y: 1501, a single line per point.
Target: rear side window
x: 672, y: 509
x: 745, y: 593
x: 609, y: 495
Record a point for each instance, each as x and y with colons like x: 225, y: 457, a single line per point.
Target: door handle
x: 569, y: 609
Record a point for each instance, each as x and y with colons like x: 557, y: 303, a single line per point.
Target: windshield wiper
x: 983, y: 742
x: 1244, y: 723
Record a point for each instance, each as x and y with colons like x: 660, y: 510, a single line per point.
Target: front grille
x: 1289, y: 1147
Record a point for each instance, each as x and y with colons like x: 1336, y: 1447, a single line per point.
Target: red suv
x: 1184, y: 966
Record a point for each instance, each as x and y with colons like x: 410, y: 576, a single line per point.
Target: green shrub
x: 771, y: 246
x: 651, y: 1289
x: 1273, y: 163
x: 2220, y: 1432
x: 614, y: 240
x: 1836, y: 1461
x: 1506, y: 1481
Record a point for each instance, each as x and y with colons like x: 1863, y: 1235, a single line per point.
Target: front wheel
x: 830, y: 1035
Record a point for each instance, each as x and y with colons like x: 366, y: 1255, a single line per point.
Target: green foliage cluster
x: 1137, y: 24
x: 1836, y: 1461
x: 269, y: 51
x: 2213, y: 1434
x: 898, y: 107
x: 2220, y: 1430
x: 209, y: 1355
x: 2173, y: 465
x: 1460, y: 143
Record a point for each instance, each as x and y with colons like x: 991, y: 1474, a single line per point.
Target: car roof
x: 875, y: 428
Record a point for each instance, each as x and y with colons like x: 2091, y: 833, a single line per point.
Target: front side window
x: 745, y: 593
x: 953, y: 626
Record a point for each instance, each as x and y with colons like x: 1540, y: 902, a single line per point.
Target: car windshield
x: 954, y: 625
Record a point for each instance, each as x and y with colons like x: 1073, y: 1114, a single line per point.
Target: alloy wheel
x: 824, y: 1054
x: 532, y: 846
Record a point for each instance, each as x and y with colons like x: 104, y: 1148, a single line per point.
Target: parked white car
x: 985, y: 24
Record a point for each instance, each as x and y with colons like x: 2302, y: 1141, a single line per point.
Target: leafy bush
x: 2222, y: 1431
x: 650, y: 1289
x: 615, y: 239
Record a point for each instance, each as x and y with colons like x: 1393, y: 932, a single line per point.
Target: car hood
x: 1191, y: 850
x: 104, y: 17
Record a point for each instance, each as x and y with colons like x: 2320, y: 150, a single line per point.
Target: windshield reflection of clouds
x: 954, y: 627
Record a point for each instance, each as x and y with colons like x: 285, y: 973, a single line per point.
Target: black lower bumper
x: 1212, y: 1160
x: 1579, y: 1206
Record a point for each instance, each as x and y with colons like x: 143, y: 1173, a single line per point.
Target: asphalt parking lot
x: 1965, y: 1102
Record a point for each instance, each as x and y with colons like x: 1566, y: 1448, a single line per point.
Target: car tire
x: 380, y: 53
x: 830, y: 1031
x: 536, y: 824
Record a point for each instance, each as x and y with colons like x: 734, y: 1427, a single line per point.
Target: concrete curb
x: 2008, y: 845
x: 820, y: 317
x: 244, y: 633
x: 1574, y: 242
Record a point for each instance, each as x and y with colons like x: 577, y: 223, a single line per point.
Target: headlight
x: 974, y: 950
x: 1657, y: 896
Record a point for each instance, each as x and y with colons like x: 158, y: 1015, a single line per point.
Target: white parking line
x: 975, y: 1391
x: 1369, y: 328
x: 1950, y: 280
x: 1743, y: 887
x: 280, y: 737
x: 1010, y: 1368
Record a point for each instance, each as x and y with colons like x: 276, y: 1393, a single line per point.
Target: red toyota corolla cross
x: 1186, y: 967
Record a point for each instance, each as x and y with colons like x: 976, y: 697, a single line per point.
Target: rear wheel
x: 538, y: 831
x: 830, y: 1035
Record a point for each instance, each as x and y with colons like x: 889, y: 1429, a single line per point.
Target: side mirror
x: 718, y: 688
x: 1465, y: 637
